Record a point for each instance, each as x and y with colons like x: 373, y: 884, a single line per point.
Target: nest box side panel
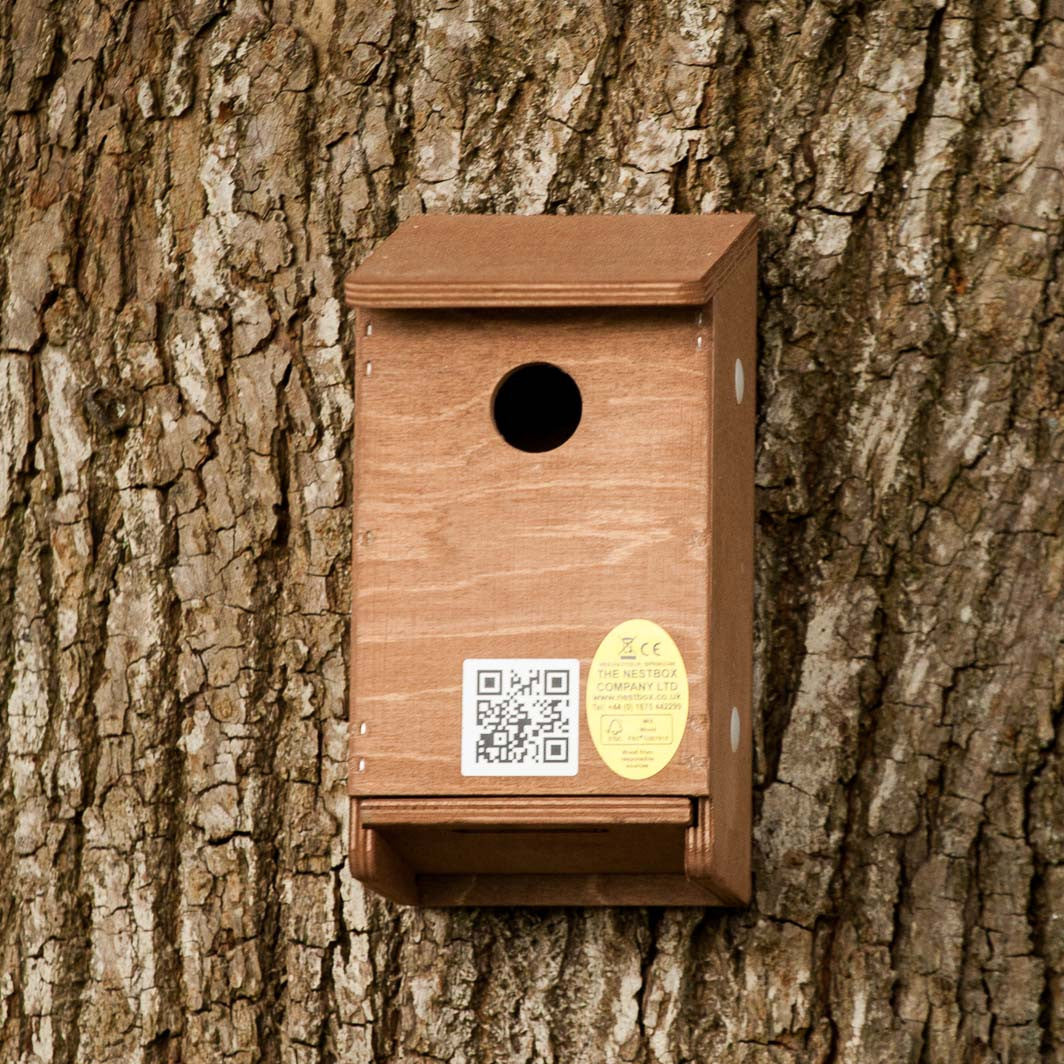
x: 466, y: 547
x: 725, y: 858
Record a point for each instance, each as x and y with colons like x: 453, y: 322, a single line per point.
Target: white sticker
x: 520, y: 716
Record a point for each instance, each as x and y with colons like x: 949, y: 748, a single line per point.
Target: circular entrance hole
x: 536, y: 407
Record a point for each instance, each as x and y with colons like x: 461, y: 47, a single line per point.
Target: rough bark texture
x: 185, y: 184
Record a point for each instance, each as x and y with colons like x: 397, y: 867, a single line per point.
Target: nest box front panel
x: 470, y: 549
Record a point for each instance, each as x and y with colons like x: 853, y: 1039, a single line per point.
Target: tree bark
x: 185, y: 186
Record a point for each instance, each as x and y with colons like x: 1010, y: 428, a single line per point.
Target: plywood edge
x: 706, y: 862
x: 524, y: 812
x: 410, y: 295
x: 718, y: 850
x: 428, y: 296
x: 375, y: 863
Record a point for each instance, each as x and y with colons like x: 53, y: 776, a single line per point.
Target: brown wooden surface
x: 401, y: 844
x: 731, y: 592
x: 502, y: 812
x: 537, y: 851
x: 468, y: 548
x: 377, y: 865
x: 632, y: 849
x: 599, y: 260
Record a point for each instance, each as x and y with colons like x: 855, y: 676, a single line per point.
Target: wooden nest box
x: 553, y: 561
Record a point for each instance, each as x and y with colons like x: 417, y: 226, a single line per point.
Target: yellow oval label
x: 637, y: 699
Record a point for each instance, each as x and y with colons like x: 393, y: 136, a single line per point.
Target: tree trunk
x: 186, y: 185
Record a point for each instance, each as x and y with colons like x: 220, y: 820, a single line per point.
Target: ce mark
x: 628, y: 648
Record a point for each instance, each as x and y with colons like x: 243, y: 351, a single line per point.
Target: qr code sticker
x: 520, y: 716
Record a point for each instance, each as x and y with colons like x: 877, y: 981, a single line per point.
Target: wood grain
x: 547, y: 260
x: 467, y: 548
x: 374, y: 861
x: 505, y: 812
x: 731, y: 609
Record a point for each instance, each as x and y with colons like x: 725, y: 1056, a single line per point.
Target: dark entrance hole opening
x: 536, y: 407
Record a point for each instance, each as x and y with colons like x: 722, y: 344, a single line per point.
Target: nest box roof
x: 475, y: 260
